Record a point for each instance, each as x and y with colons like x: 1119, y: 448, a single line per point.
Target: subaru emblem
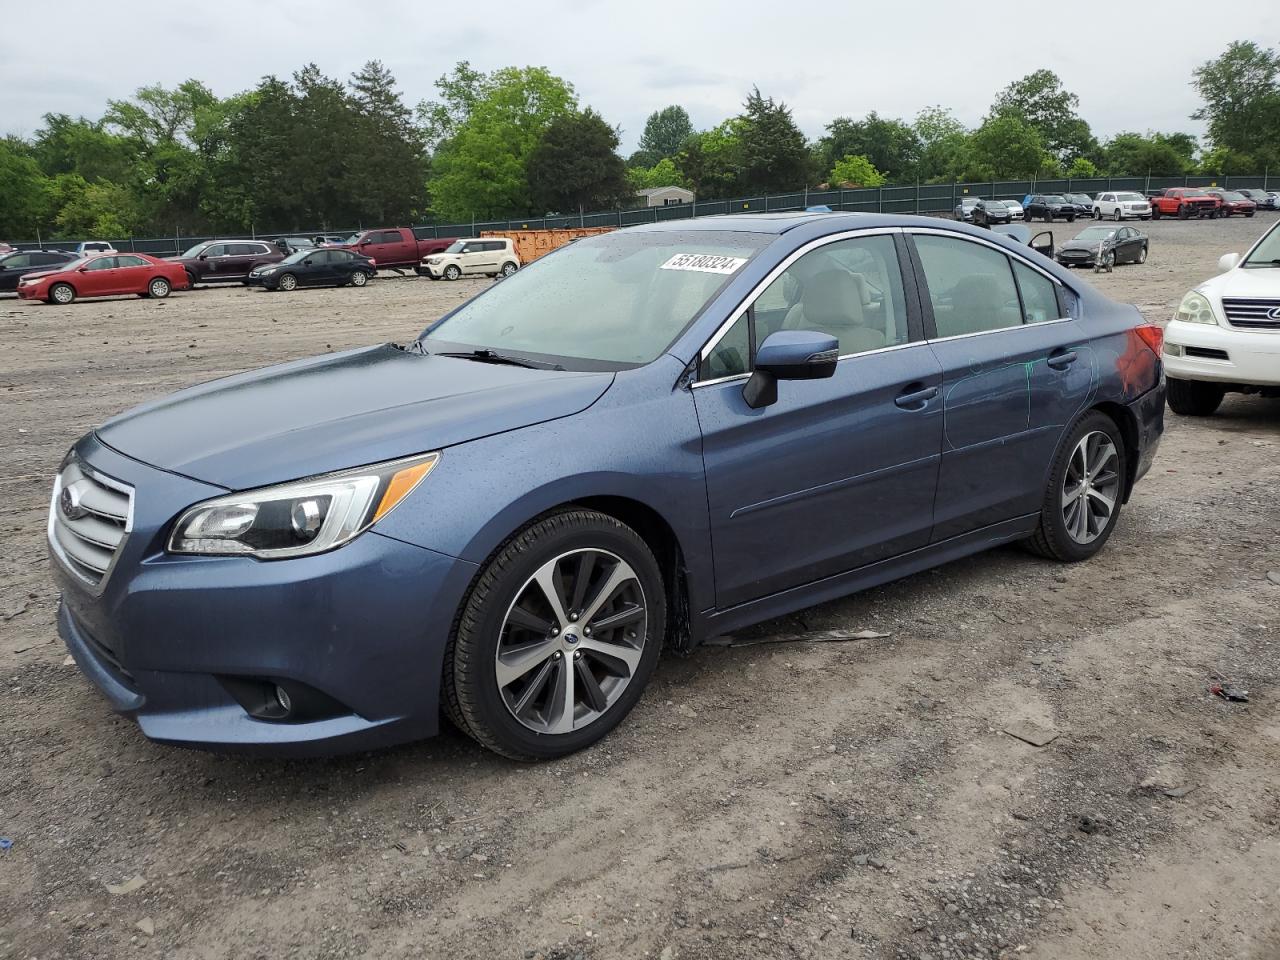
x: 69, y: 503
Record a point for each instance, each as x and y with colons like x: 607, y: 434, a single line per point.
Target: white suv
x: 491, y: 256
x: 1120, y: 205
x: 1225, y: 335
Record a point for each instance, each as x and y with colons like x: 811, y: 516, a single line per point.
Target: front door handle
x: 916, y: 399
x: 1062, y: 360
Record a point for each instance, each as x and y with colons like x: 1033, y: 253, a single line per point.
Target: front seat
x: 831, y: 303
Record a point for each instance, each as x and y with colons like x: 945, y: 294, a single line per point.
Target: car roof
x: 772, y: 222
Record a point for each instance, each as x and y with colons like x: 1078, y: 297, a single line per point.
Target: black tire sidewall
x: 479, y: 627
x: 151, y: 288
x: 1053, y: 524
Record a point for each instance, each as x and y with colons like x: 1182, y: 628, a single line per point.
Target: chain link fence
x: 926, y: 199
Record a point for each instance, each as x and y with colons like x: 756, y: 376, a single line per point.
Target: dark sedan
x: 1053, y: 206
x: 647, y: 438
x: 1104, y: 247
x: 988, y: 212
x: 315, y: 267
x: 1233, y: 202
x: 14, y: 265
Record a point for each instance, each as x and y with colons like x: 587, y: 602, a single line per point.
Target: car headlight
x: 300, y: 518
x: 1195, y: 308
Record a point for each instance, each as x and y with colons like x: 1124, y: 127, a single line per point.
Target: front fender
x: 639, y: 442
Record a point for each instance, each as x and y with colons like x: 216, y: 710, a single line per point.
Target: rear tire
x: 509, y: 268
x: 1194, y: 398
x: 519, y: 714
x: 62, y: 294
x: 1075, y: 519
x: 1142, y: 254
x: 158, y: 288
x: 359, y: 278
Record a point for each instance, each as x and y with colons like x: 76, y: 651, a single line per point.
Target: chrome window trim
x: 777, y: 271
x: 844, y: 356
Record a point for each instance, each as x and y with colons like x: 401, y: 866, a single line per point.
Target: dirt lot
x: 839, y: 799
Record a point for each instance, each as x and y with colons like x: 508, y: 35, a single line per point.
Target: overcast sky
x: 1131, y: 68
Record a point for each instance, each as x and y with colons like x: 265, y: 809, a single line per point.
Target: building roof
x: 650, y: 191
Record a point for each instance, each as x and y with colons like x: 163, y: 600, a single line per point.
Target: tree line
x: 312, y: 151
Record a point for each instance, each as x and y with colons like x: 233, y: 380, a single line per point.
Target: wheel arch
x: 1127, y: 424
x: 657, y: 533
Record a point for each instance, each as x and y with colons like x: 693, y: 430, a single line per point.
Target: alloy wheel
x: 359, y: 278
x: 1090, y: 487
x: 63, y: 294
x: 571, y: 641
x: 288, y: 282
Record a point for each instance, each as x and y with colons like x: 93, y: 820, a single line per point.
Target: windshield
x: 1194, y: 193
x: 299, y: 255
x: 1054, y: 198
x: 195, y: 251
x: 1267, y: 252
x: 618, y: 299
x: 1078, y: 198
x: 1095, y: 234
x: 1130, y: 197
x: 1232, y: 196
x: 455, y: 247
x: 995, y: 204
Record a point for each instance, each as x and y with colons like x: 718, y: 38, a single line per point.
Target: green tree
x: 945, y: 148
x: 774, y: 156
x: 481, y: 170
x: 1241, y: 93
x: 710, y: 162
x: 391, y: 186
x: 1082, y: 168
x: 891, y: 145
x: 1006, y: 147
x: 459, y: 91
x: 856, y: 170
x: 1135, y: 155
x: 664, y: 173
x: 25, y: 192
x: 1040, y: 99
x: 103, y: 210
x: 576, y: 167
x: 665, y: 132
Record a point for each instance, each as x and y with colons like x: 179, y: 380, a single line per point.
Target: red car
x: 1233, y: 202
x: 107, y: 275
x: 1184, y: 202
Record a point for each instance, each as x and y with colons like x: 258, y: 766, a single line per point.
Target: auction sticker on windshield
x: 704, y: 263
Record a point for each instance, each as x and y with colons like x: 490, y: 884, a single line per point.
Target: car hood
x: 39, y: 274
x: 1086, y: 244
x: 1249, y: 282
x: 341, y: 410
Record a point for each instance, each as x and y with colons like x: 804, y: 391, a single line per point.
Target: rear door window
x: 1039, y: 294
x: 971, y: 286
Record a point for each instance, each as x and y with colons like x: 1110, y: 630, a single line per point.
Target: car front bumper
x: 174, y: 641
x: 32, y: 292
x: 1252, y: 357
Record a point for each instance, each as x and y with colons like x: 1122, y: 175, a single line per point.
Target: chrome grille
x: 89, y: 518
x: 1252, y: 314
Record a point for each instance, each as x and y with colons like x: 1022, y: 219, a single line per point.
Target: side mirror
x: 790, y: 355
x: 306, y: 263
x: 1228, y: 261
x: 365, y: 241
x: 203, y: 256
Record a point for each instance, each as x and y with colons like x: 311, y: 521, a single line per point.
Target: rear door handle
x: 1062, y: 360
x: 916, y: 399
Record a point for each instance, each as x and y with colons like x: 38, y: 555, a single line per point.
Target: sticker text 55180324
x: 704, y: 263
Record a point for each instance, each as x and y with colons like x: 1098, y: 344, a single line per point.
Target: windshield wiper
x: 1263, y: 263
x: 492, y: 356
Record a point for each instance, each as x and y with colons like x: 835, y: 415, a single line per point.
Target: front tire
x: 158, y: 288
x: 1115, y: 215
x: 1194, y: 398
x: 287, y: 282
x: 451, y: 272
x: 62, y: 294
x: 1083, y: 497
x: 557, y: 638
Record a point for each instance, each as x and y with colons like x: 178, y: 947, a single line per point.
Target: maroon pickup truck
x: 396, y: 249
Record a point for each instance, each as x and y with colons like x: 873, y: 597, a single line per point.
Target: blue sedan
x: 644, y: 439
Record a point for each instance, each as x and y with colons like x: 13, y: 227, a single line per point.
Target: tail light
x: 373, y: 262
x: 1152, y: 335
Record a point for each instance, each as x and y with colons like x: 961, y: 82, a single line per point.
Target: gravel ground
x: 780, y: 799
